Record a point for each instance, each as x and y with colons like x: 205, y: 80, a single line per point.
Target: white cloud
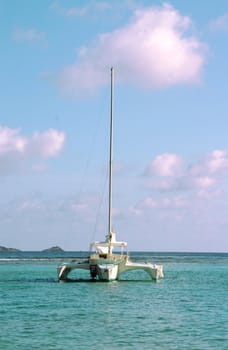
x: 18, y: 152
x: 162, y: 203
x: 182, y: 183
x: 204, y: 182
x: 48, y: 143
x: 11, y: 141
x: 153, y: 50
x: 80, y: 11
x: 209, y: 193
x: 215, y: 162
x: 30, y: 35
x: 166, y: 173
x: 175, y: 190
x: 218, y: 161
x: 166, y: 164
x: 78, y: 208
x: 221, y: 23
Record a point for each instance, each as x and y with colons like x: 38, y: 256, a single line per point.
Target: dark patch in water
x: 30, y: 280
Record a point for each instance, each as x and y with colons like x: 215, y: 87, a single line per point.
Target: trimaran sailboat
x: 102, y: 263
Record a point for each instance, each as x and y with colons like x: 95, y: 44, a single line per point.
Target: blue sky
x: 170, y: 128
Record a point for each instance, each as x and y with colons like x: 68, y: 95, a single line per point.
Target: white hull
x: 107, y: 272
x: 109, y: 268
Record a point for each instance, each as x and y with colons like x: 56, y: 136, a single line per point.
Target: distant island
x: 53, y: 249
x: 5, y: 249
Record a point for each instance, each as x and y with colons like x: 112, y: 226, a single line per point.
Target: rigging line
x: 88, y: 161
x: 100, y: 205
x: 102, y: 184
x: 85, y: 172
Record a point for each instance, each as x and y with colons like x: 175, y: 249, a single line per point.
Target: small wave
x: 35, y: 259
x: 29, y: 280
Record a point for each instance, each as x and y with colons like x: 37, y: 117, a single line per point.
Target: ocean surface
x: 188, y: 309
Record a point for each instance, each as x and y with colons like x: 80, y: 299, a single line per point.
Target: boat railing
x: 114, y: 257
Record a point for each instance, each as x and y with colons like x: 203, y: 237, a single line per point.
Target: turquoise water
x: 188, y: 309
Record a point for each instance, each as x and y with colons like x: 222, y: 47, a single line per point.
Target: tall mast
x: 110, y: 159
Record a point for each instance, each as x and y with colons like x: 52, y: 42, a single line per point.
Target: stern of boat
x: 107, y: 272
